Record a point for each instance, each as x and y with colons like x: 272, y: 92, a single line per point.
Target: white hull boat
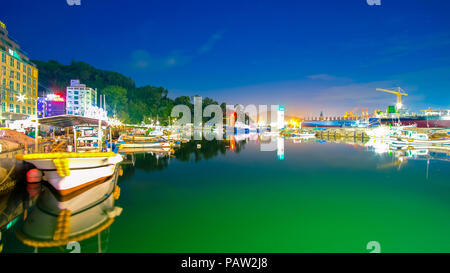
x: 68, y: 172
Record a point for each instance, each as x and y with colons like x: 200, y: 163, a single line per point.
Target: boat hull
x: 78, y: 172
x: 420, y: 122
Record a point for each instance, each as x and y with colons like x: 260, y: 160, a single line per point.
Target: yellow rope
x: 54, y: 243
x: 116, y: 193
x: 62, y: 166
x: 63, y: 155
x: 62, y: 225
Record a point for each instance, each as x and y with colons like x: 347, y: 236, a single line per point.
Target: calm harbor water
x: 229, y: 196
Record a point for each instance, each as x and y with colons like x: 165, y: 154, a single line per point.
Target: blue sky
x: 311, y: 56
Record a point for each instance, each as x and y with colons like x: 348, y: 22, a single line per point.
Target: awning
x: 64, y: 121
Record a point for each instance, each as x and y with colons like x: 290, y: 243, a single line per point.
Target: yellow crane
x: 400, y: 92
x: 350, y: 114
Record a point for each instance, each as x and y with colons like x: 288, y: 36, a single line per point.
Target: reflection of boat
x: 303, y: 135
x: 57, y: 220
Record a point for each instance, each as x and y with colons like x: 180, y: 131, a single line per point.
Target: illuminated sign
x: 55, y: 97
x: 2, y: 25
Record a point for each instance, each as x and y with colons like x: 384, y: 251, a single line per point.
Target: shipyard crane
x: 400, y: 92
x: 350, y: 114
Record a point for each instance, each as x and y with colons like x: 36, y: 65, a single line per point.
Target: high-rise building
x: 51, y: 105
x: 79, y: 98
x: 18, y: 80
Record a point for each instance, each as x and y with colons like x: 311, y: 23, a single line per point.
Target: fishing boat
x: 413, y: 138
x: 142, y: 142
x: 67, y: 172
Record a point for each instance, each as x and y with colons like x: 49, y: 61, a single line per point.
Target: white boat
x: 385, y: 131
x: 68, y: 172
x: 413, y: 138
x: 159, y: 144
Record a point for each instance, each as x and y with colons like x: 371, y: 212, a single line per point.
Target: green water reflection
x: 229, y: 196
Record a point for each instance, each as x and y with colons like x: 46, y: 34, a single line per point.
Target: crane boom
x: 399, y: 94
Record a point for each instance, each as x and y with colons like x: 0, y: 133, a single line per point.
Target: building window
x: 34, y: 92
x: 29, y: 81
x: 4, y: 82
x: 4, y: 95
x: 3, y: 107
x: 34, y: 111
x: 11, y: 85
x: 18, y: 76
x: 3, y: 57
x: 4, y: 70
x: 24, y: 88
x: 11, y: 107
x: 34, y: 82
x: 18, y: 87
x: 24, y: 78
x: 29, y: 71
x: 24, y: 68
x: 18, y: 65
x: 11, y: 74
x: 29, y: 111
x: 17, y: 108
x: 24, y: 110
x: 11, y: 61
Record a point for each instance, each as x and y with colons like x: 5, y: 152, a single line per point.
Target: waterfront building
x: 80, y: 98
x: 51, y: 105
x: 18, y: 80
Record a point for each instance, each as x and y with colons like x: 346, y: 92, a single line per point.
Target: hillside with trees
x: 124, y: 99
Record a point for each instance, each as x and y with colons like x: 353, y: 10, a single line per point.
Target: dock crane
x: 400, y: 92
x: 350, y: 114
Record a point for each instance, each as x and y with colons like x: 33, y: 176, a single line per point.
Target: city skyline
x: 310, y: 56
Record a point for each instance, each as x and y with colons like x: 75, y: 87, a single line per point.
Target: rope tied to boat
x: 62, y: 166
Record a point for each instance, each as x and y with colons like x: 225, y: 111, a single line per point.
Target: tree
x: 116, y: 98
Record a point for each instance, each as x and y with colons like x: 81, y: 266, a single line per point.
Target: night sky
x: 311, y: 56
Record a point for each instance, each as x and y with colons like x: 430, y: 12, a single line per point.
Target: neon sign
x: 55, y: 97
